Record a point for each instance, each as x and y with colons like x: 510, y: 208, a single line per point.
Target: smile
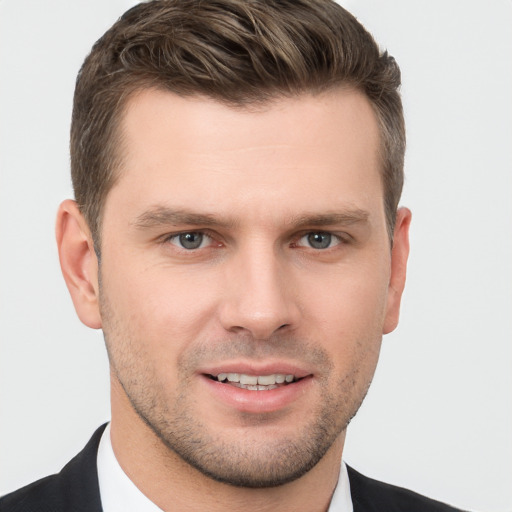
x: 242, y: 387
x: 255, y: 382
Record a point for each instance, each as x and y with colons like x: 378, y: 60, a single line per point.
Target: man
x: 237, y: 168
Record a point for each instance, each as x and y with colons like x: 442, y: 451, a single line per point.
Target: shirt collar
x: 119, y: 494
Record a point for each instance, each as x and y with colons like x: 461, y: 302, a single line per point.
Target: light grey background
x: 438, y: 418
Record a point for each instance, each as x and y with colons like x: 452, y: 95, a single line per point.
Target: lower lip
x: 248, y: 401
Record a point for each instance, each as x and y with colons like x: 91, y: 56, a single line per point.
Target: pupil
x: 191, y: 240
x: 319, y: 240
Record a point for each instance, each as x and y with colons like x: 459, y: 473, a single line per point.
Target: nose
x: 260, y: 296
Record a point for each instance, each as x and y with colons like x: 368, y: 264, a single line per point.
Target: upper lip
x: 255, y: 368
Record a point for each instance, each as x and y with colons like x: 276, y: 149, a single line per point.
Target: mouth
x: 255, y: 382
x: 257, y: 388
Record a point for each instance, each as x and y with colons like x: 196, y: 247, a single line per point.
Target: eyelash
x: 177, y: 236
x: 333, y: 237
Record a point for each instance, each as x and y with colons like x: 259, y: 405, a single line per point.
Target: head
x: 238, y: 164
x: 236, y: 52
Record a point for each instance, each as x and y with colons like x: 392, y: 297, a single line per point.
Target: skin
x: 255, y: 296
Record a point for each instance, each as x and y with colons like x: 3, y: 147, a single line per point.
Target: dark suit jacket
x: 76, y: 489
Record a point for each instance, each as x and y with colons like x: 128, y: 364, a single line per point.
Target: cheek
x: 163, y: 309
x: 348, y: 315
x: 350, y: 298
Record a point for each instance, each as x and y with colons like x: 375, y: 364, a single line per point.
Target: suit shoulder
x: 74, y: 489
x: 374, y: 496
x: 44, y: 495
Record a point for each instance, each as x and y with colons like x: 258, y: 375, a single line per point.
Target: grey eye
x: 191, y: 240
x: 319, y: 240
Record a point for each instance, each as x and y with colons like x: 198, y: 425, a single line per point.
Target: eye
x: 319, y: 240
x: 191, y: 240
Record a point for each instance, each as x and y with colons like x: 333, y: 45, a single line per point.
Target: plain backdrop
x: 438, y: 418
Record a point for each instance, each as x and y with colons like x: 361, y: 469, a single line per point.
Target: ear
x: 399, y: 255
x: 78, y: 262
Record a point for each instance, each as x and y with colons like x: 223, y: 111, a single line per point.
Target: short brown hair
x: 234, y: 51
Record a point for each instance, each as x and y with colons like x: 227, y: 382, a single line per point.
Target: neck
x: 174, y: 485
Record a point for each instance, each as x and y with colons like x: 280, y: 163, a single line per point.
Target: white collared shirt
x: 119, y: 494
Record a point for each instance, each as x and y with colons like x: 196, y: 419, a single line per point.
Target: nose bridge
x: 260, y: 296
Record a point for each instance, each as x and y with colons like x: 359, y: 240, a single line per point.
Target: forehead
x: 309, y: 149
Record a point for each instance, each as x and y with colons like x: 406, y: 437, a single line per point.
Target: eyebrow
x: 344, y: 218
x: 164, y: 216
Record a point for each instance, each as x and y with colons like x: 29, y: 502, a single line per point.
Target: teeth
x: 256, y: 382
x: 266, y: 379
x: 248, y: 379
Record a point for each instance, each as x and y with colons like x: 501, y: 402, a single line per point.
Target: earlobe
x: 399, y: 255
x: 78, y: 262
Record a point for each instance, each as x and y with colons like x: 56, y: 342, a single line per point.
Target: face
x: 245, y: 278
